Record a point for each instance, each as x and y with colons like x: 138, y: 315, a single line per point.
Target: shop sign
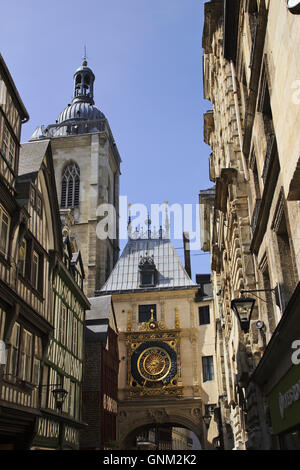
x: 284, y: 401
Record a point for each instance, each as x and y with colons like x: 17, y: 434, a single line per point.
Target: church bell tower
x: 87, y: 171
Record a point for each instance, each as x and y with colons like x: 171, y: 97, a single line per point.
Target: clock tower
x: 162, y: 346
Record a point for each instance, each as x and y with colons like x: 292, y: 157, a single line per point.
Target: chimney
x: 187, y: 254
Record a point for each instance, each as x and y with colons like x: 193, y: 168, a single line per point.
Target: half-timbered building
x: 65, y: 303
x: 42, y: 305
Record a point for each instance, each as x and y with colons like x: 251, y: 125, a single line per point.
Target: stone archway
x: 136, y: 415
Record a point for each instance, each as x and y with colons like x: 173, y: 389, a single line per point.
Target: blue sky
x: 147, y: 58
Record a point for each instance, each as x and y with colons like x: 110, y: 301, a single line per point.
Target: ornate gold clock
x: 154, y: 364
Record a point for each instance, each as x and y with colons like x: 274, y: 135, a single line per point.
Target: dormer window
x: 147, y: 271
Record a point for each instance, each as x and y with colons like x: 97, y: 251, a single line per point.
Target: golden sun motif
x: 154, y: 364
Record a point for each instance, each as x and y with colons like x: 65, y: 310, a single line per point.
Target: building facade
x: 100, y: 380
x: 166, y: 343
x: 250, y: 218
x: 41, y: 285
x: 87, y: 170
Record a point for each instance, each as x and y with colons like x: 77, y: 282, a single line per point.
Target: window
x: 35, y: 270
x: 75, y: 336
x: 26, y: 356
x: 12, y: 152
x: 63, y: 324
x: 37, y: 360
x: 208, y: 368
x: 72, y: 399
x: 147, y: 278
x: 13, y: 353
x: 5, y: 141
x: 146, y: 312
x: 22, y: 257
x: 147, y: 271
x: 36, y: 200
x: 31, y: 263
x: 8, y: 147
x: 70, y: 186
x: 204, y: 316
x: 4, y: 227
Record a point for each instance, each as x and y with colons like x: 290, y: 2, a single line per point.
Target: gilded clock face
x: 154, y: 363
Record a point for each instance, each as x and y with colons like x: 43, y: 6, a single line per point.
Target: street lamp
x: 243, y: 308
x: 59, y: 397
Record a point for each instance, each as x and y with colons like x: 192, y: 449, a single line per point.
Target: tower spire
x: 84, y: 59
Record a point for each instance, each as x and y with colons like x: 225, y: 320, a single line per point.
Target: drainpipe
x: 238, y: 119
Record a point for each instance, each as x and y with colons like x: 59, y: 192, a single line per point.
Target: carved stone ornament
x: 196, y: 412
x: 158, y: 416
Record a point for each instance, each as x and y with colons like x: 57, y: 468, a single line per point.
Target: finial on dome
x: 84, y: 62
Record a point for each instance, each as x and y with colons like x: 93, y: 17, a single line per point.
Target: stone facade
x: 250, y: 219
x: 99, y: 165
x: 145, y: 400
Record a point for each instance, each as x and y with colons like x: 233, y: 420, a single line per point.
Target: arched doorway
x: 135, y: 421
x: 169, y: 436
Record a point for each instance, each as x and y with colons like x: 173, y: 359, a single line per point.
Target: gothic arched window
x: 70, y: 186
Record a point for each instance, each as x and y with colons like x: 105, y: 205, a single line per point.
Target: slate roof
x: 98, y: 318
x: 100, y: 308
x: 31, y: 156
x: 170, y: 272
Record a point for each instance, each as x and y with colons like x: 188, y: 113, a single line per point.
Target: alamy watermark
x: 296, y: 353
x: 162, y: 221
